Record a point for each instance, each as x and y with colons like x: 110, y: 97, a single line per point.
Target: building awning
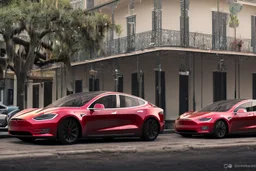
x: 157, y: 49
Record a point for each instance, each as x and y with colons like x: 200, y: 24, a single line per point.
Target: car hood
x: 195, y: 115
x: 33, y: 112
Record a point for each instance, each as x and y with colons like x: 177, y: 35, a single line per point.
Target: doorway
x: 135, y: 85
x: 94, y: 84
x: 219, y: 86
x: 120, y: 87
x: 183, y: 94
x: 47, y: 93
x: 36, y: 96
x: 254, y: 85
x: 10, y: 97
x: 160, y: 89
x: 78, y: 86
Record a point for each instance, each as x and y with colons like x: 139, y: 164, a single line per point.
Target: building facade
x: 178, y: 54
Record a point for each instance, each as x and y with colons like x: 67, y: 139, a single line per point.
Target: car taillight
x: 161, y: 116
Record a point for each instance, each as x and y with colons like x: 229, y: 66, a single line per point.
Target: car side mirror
x: 97, y: 107
x: 241, y: 111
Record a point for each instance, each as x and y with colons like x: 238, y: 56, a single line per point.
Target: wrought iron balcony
x: 168, y: 38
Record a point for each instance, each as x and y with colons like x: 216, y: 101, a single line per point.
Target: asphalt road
x: 240, y: 159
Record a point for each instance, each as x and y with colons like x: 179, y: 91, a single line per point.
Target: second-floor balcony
x: 167, y: 38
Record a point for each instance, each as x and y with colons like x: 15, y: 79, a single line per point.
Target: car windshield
x: 220, y: 106
x: 74, y: 100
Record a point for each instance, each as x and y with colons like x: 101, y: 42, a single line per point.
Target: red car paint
x: 189, y: 122
x: 113, y: 122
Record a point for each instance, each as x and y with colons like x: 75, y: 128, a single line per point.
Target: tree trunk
x: 21, y: 90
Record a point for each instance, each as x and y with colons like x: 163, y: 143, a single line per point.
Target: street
x: 205, y: 160
x: 168, y: 152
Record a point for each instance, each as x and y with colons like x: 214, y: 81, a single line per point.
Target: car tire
x: 150, y: 130
x: 27, y: 139
x: 220, y: 129
x: 186, y: 135
x: 68, y: 131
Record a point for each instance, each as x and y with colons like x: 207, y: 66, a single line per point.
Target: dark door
x: 136, y: 84
x: 160, y: 89
x: 183, y: 102
x: 26, y: 95
x: 47, y: 93
x: 219, y: 86
x: 10, y: 96
x: 94, y: 84
x: 254, y: 86
x: 79, y: 86
x: 36, y: 96
x: 120, y: 84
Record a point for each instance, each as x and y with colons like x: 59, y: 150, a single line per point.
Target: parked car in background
x: 7, y: 113
x: 219, y: 119
x: 90, y: 114
x: 3, y: 107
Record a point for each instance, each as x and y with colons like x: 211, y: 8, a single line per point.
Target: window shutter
x: 253, y: 28
x: 153, y: 37
x: 214, y: 30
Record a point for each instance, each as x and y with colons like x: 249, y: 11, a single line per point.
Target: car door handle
x: 251, y: 114
x: 140, y: 111
x: 114, y: 112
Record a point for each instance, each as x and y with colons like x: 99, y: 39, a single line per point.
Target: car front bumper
x: 192, y: 127
x: 37, y: 129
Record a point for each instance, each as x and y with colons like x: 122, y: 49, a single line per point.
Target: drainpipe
x: 202, y: 79
x: 235, y: 93
x: 194, y: 98
x: 239, y: 77
x: 159, y: 79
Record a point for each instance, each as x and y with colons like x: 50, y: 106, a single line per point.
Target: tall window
x: 219, y: 30
x: 253, y: 18
x: 131, y: 30
x: 90, y: 4
x: 184, y: 23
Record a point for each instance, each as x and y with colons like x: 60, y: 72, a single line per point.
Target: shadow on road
x: 81, y: 141
x: 228, y: 137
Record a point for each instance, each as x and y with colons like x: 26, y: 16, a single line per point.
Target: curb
x: 162, y: 149
x: 167, y: 131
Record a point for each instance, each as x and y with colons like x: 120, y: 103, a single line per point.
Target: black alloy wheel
x: 220, y: 129
x: 68, y: 131
x: 150, y: 130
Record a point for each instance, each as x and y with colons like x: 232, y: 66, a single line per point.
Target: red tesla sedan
x: 219, y: 119
x: 90, y: 114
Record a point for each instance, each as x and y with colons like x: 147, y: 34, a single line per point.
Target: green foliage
x: 234, y: 9
x: 64, y: 30
x: 233, y: 22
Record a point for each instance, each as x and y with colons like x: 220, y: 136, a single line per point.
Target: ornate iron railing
x: 169, y: 38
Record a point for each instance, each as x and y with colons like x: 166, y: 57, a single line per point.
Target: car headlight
x: 47, y: 116
x: 205, y: 119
